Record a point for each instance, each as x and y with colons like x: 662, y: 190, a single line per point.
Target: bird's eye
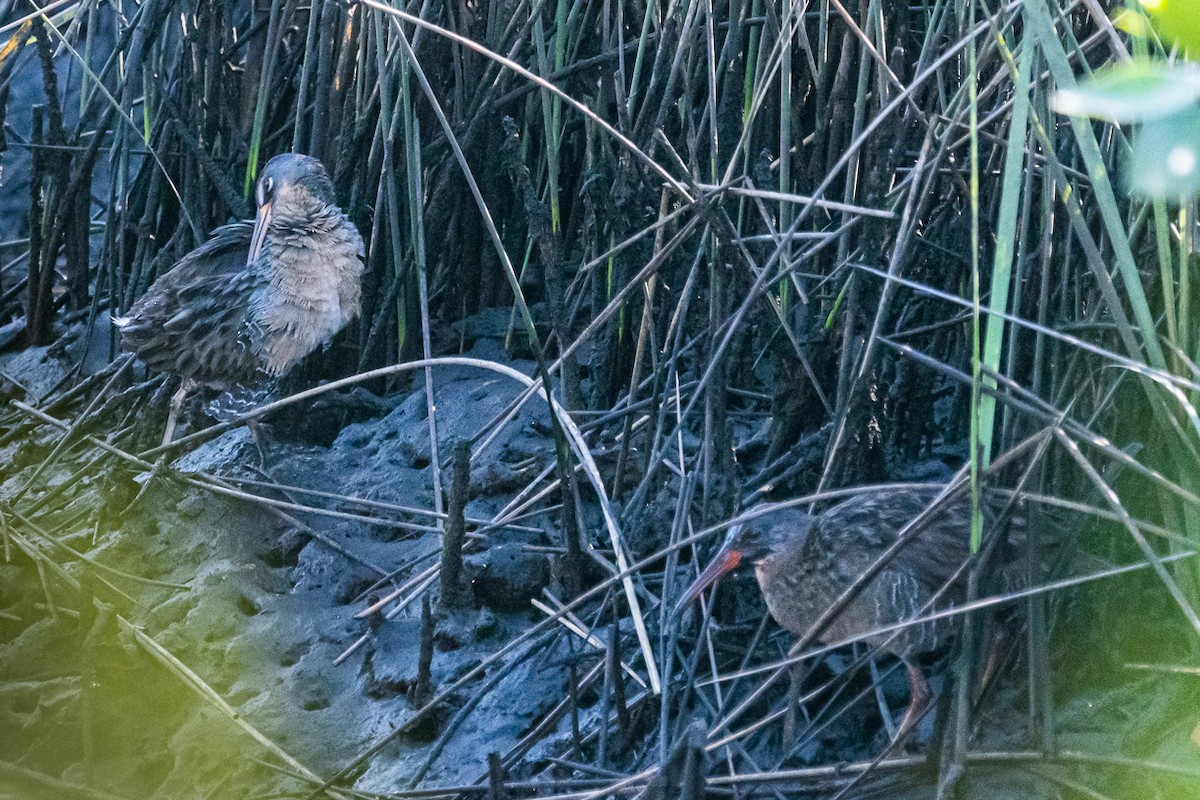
x: 265, y: 187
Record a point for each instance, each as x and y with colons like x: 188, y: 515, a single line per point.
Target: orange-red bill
x: 726, y: 560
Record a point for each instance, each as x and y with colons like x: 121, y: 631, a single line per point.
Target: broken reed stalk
x: 617, y: 678
x: 681, y: 771
x: 455, y: 593
x: 694, y: 763
x: 573, y: 696
x: 38, y: 310
x: 496, y: 778
x: 424, y: 687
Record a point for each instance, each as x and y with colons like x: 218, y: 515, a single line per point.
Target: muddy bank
x: 270, y: 606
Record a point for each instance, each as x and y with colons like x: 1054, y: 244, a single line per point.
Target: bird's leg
x: 795, y: 681
x: 999, y: 645
x: 177, y: 399
x: 258, y: 437
x: 176, y: 406
x: 919, y: 704
x: 886, y: 713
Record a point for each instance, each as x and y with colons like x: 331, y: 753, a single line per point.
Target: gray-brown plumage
x: 257, y: 297
x: 804, y: 563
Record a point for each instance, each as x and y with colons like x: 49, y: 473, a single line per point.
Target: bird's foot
x: 159, y: 468
x: 902, y: 733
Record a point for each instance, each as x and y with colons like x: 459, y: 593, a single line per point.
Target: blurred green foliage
x: 1156, y: 90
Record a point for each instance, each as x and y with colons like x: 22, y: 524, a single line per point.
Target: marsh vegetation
x: 632, y: 268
